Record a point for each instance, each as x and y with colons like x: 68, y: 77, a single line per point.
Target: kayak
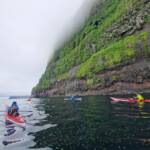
x: 29, y: 99
x: 130, y: 100
x: 16, y: 120
x: 73, y: 99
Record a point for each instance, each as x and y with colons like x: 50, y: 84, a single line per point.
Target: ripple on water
x: 16, y: 138
x: 93, y: 123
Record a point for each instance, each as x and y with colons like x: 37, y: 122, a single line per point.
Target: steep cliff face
x: 109, y: 55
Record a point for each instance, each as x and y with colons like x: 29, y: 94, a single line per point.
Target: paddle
x: 25, y: 111
x: 9, y: 142
x: 19, y: 111
x: 28, y: 115
x: 29, y: 124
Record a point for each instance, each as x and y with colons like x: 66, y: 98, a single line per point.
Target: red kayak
x: 130, y: 100
x: 17, y: 120
x: 29, y: 99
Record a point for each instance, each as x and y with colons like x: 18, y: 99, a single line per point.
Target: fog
x: 30, y: 32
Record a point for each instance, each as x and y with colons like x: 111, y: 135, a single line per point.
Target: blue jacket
x: 14, y: 106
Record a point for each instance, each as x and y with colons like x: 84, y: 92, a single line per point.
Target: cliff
x: 109, y: 55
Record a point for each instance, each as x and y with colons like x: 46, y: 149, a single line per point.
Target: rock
x: 52, y: 92
x: 129, y: 77
x: 139, y: 47
x: 112, y: 28
x: 139, y: 79
x: 139, y: 21
x: 133, y: 20
x: 148, y: 41
x: 93, y: 46
x: 146, y: 1
x: 72, y: 72
x: 132, y: 31
x: 124, y: 30
x: 83, y: 88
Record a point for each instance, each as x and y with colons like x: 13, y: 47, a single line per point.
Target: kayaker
x: 13, y: 109
x: 139, y: 97
x: 72, y: 97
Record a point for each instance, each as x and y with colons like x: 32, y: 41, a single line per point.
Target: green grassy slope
x: 95, y: 47
x: 115, y: 53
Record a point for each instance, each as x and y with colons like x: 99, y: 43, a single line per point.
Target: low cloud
x: 30, y: 31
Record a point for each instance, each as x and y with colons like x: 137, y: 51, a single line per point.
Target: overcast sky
x: 30, y: 31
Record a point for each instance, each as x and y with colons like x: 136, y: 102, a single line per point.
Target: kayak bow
x: 16, y: 120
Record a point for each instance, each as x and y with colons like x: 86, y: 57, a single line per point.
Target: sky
x: 30, y: 31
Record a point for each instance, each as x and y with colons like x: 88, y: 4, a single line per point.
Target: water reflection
x: 91, y: 124
x: 13, y: 135
x: 16, y: 138
x: 94, y: 123
x: 140, y: 104
x: 131, y: 110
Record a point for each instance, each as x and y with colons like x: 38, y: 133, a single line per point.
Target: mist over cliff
x: 108, y: 52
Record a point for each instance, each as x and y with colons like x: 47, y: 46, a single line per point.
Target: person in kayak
x: 72, y: 97
x: 139, y: 97
x: 13, y: 109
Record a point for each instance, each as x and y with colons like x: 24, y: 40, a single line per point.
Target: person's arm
x: 17, y: 108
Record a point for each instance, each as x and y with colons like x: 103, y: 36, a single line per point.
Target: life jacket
x: 139, y: 97
x: 13, y: 109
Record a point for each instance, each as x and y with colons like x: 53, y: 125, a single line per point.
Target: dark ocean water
x: 95, y: 123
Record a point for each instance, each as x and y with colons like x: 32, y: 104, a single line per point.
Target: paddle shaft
x: 19, y: 111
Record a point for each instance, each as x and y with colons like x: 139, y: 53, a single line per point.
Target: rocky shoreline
x: 127, y: 79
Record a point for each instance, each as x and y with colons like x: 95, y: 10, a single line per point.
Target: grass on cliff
x: 89, y: 42
x: 79, y: 48
x: 116, y: 53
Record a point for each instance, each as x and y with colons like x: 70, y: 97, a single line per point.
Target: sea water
x: 95, y: 123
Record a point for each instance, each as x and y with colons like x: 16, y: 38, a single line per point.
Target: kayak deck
x: 131, y: 100
x: 17, y: 120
